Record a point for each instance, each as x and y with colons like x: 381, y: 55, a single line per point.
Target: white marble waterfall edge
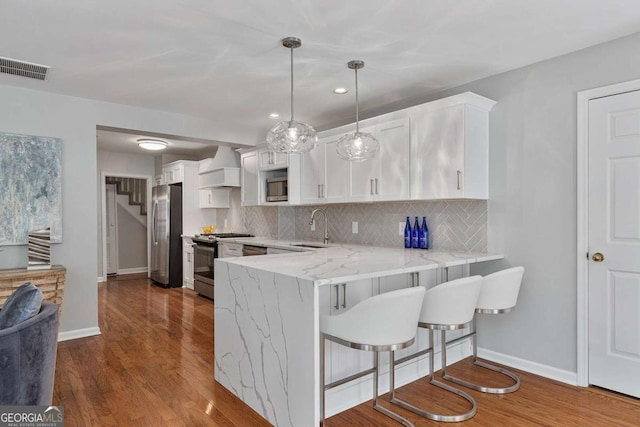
x: 265, y: 344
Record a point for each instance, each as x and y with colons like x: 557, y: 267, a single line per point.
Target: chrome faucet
x: 326, y: 227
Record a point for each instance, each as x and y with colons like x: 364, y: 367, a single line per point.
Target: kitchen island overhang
x: 266, y: 321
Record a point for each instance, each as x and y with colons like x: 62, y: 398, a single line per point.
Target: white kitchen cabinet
x: 450, y: 150
x: 269, y: 160
x: 341, y: 361
x: 214, y: 197
x: 250, y: 192
x: 173, y: 173
x: 324, y: 174
x: 229, y: 249
x: 386, y: 176
x: 187, y: 263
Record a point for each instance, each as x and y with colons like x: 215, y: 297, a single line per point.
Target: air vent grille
x: 23, y: 69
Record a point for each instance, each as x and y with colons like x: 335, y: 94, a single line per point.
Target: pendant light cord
x: 291, y: 49
x: 357, y: 112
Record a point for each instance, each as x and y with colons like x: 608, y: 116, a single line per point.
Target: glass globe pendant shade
x: 292, y: 137
x: 357, y: 146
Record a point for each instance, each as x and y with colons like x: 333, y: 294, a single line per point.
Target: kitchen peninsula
x: 266, y: 321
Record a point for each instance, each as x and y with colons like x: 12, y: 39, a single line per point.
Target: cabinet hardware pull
x: 209, y: 198
x: 459, y: 175
x: 319, y: 196
x: 344, y: 295
x: 322, y: 186
x: 377, y: 186
x: 337, y: 306
x: 371, y: 185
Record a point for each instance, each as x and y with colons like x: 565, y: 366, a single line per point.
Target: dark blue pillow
x: 23, y: 304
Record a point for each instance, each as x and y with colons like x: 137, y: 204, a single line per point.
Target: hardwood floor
x: 153, y: 366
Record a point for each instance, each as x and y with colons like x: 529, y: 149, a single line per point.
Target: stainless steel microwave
x: 277, y: 189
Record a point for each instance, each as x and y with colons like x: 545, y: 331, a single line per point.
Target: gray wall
x: 132, y: 237
x: 532, y: 205
x: 74, y: 120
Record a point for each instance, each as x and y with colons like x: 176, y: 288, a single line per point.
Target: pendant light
x: 357, y: 146
x: 291, y: 136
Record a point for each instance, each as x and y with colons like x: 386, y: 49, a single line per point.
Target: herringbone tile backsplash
x: 453, y: 224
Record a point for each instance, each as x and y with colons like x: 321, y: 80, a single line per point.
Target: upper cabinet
x: 271, y: 160
x: 324, y: 175
x: 437, y: 150
x: 173, y: 173
x: 386, y: 176
x: 250, y: 191
x: 450, y: 148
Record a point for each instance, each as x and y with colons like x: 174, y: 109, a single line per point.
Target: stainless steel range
x: 205, y: 252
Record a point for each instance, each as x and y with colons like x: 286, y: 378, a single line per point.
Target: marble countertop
x: 339, y: 263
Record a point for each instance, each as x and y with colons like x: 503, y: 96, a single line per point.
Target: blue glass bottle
x: 415, y: 231
x: 424, y: 234
x: 407, y: 234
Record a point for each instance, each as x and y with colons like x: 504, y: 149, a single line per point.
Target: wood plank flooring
x: 153, y: 366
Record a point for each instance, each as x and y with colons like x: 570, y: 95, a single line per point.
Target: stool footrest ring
x: 439, y: 417
x: 492, y: 390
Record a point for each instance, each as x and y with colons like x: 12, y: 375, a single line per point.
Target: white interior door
x: 112, y: 230
x: 614, y: 243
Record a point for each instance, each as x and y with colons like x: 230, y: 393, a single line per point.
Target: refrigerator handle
x: 154, y: 215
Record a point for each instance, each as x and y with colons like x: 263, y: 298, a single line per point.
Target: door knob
x: 598, y: 257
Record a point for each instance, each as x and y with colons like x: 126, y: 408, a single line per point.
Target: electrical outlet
x: 354, y: 227
x: 401, y: 229
x: 313, y: 225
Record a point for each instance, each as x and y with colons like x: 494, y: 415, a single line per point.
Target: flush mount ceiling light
x: 291, y: 136
x: 340, y: 90
x: 357, y: 146
x: 152, y: 144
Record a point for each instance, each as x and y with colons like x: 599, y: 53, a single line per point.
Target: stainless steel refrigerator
x: 166, y: 240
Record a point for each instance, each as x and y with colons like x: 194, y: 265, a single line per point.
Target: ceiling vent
x: 23, y: 69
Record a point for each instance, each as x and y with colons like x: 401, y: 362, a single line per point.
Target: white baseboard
x: 101, y: 279
x: 546, y: 371
x: 78, y: 333
x: 132, y: 270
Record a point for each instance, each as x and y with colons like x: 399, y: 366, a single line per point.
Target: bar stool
x: 445, y: 307
x: 385, y: 322
x: 498, y: 295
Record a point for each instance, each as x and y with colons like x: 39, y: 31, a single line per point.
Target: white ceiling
x: 222, y: 60
x: 122, y: 141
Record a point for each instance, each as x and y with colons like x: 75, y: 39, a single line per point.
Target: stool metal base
x: 375, y: 371
x: 484, y: 389
x: 429, y: 415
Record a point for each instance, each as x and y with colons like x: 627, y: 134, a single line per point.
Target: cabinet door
x: 187, y: 265
x: 313, y: 174
x: 336, y: 181
x: 272, y: 160
x: 362, y: 175
x: 437, y: 155
x: 229, y: 249
x: 392, y: 182
x: 344, y: 361
x: 250, y: 192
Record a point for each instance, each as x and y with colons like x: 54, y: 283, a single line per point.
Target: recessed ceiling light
x: 274, y: 115
x: 152, y: 144
x: 340, y: 90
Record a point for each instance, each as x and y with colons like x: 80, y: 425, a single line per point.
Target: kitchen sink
x: 309, y: 245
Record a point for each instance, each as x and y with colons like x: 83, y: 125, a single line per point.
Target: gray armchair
x: 28, y: 359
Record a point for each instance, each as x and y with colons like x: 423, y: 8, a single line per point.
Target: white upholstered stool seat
x: 499, y: 294
x: 385, y: 322
x: 448, y: 306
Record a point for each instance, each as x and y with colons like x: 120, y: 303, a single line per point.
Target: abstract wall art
x: 30, y: 187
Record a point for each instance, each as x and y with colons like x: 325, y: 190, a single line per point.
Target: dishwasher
x: 249, y: 250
